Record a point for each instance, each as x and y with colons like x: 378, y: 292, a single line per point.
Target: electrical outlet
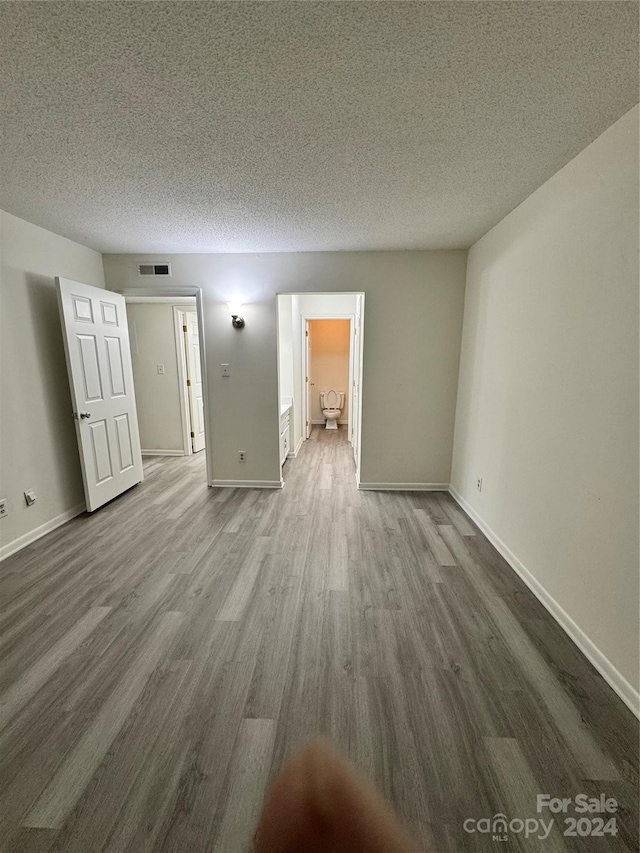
x: 160, y: 369
x: 479, y: 484
x: 3, y: 508
x: 225, y: 370
x: 242, y: 456
x: 30, y: 497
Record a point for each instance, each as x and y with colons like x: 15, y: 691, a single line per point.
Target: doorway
x: 100, y: 341
x: 169, y: 373
x: 328, y: 357
x: 320, y: 340
x: 165, y: 356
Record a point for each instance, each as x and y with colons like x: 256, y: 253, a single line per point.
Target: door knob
x: 81, y: 416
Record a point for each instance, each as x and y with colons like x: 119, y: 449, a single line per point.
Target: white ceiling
x: 242, y: 127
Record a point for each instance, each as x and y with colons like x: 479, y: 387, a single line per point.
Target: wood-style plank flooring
x: 162, y: 658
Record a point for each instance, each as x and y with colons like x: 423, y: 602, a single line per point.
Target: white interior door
x: 307, y: 373
x: 194, y: 380
x: 96, y: 340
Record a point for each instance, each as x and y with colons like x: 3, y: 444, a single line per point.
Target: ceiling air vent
x: 154, y: 269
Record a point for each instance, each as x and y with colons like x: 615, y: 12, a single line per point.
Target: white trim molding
x: 403, y: 487
x: 168, y: 300
x: 38, y: 532
x: 246, y: 484
x: 293, y: 453
x: 629, y: 695
x: 181, y: 364
x: 163, y: 453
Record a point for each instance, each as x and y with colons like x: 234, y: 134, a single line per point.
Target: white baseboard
x: 246, y: 484
x: 293, y: 453
x: 403, y: 487
x: 163, y: 453
x: 39, y: 532
x: 629, y: 695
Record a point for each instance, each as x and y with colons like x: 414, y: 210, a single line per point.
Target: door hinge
x: 189, y: 383
x: 193, y: 435
x: 184, y: 329
x: 306, y: 378
x: 306, y: 334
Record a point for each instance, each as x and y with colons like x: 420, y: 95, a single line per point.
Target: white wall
x: 38, y: 448
x: 153, y: 342
x: 327, y: 304
x: 547, y: 406
x: 330, y: 340
x: 413, y: 322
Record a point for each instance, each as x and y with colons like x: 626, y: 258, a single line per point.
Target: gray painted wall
x: 413, y: 322
x: 548, y: 396
x: 38, y: 448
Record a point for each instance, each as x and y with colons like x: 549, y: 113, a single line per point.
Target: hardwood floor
x: 163, y: 657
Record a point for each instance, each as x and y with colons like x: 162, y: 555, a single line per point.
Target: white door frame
x: 194, y: 382
x: 307, y: 347
x: 161, y: 293
x: 306, y: 415
x: 359, y: 342
x: 357, y: 332
x: 185, y: 417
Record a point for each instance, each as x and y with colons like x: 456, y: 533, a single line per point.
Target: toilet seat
x: 331, y: 399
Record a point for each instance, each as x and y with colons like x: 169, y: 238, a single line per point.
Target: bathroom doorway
x: 320, y: 340
x: 328, y: 368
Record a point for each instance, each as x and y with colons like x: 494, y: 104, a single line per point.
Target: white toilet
x: 332, y: 403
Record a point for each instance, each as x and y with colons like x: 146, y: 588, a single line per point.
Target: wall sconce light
x: 235, y: 309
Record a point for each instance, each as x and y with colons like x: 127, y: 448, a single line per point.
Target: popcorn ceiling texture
x: 242, y: 127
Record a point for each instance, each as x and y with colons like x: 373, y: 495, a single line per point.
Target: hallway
x: 163, y: 657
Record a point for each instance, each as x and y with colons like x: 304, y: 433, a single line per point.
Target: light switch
x: 161, y: 369
x: 225, y: 370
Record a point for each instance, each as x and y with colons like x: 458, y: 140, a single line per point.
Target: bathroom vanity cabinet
x: 285, y: 433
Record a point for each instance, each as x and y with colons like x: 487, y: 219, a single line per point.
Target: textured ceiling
x: 240, y: 127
